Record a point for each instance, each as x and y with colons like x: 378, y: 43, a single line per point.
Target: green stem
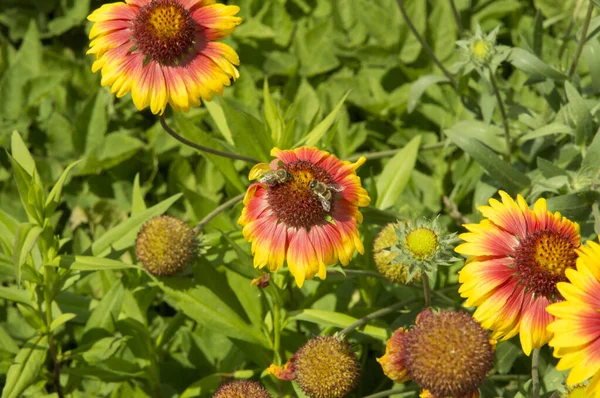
x: 202, y: 148
x: 424, y: 44
x: 393, y: 391
x: 583, y: 38
x: 392, y: 152
x: 218, y: 210
x: 565, y: 40
x: 376, y: 314
x: 358, y: 272
x: 502, y: 112
x: 51, y: 343
x: 456, y: 17
x: 276, y: 332
x: 535, y: 376
x: 426, y: 290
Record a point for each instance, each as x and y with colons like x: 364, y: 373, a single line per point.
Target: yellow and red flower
x: 164, y: 51
x: 576, y: 329
x: 288, y: 218
x: 516, y: 258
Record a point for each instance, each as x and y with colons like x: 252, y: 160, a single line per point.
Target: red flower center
x: 164, y: 31
x: 541, y: 260
x: 294, y: 202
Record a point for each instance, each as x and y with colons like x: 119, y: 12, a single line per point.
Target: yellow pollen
x: 480, y: 49
x: 302, y: 179
x: 552, y: 254
x: 166, y: 21
x: 421, y: 243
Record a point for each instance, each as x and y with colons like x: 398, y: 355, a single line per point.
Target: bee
x: 275, y: 177
x: 323, y: 192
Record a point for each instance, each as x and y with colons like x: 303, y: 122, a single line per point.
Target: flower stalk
x: 202, y: 148
x: 502, y: 112
x: 583, y: 38
x: 535, y: 376
x: 218, y: 210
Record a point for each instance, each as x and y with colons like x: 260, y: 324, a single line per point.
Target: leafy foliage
x: 82, y: 171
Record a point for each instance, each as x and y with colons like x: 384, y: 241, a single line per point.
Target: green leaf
x: 102, y: 349
x: 509, y: 178
x: 91, y: 124
x: 316, y: 134
x: 379, y: 22
x: 107, y: 311
x: 549, y: 129
x: 26, y: 65
x: 138, y: 204
x: 272, y: 115
x: 7, y: 344
x: 25, y: 184
x: 218, y: 116
x: 202, y: 305
x: 418, y: 88
x: 21, y: 154
x: 89, y: 263
x: 314, y: 51
x: 54, y: 196
x: 396, y: 174
x: 16, y: 295
x: 574, y: 205
x: 580, y: 115
x: 250, y: 136
x: 336, y: 319
x: 26, y: 238
x: 533, y: 66
x: 488, y: 134
x: 26, y: 367
x: 61, y: 319
x: 123, y: 235
x: 225, y: 166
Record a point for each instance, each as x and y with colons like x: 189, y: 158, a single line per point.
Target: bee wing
x: 336, y: 187
x: 324, y: 202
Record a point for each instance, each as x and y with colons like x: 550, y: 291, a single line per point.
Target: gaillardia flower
x: 516, y: 258
x: 164, y: 51
x: 324, y: 367
x: 385, y: 256
x: 576, y: 339
x: 304, y: 210
x: 242, y: 389
x: 405, y: 249
x: 165, y: 245
x: 448, y: 354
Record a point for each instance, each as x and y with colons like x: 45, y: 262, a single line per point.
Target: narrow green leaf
x: 508, y: 177
x: 61, y: 319
x: 24, y: 182
x: 26, y: 238
x: 89, y: 263
x: 580, y: 115
x: 91, y: 124
x: 337, y: 319
x: 272, y: 115
x: 574, y: 205
x: 21, y: 154
x: 549, y: 129
x: 107, y: 311
x: 7, y: 344
x: 533, y: 66
x: 249, y: 134
x: 138, y: 204
x: 26, y: 367
x: 15, y: 294
x: 216, y: 112
x: 396, y: 174
x: 316, y: 134
x: 123, y: 235
x: 418, y: 88
x: 56, y: 191
x: 202, y: 305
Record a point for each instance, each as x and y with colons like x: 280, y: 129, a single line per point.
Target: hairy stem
x: 376, y: 314
x: 456, y: 17
x: 392, y: 152
x: 202, y: 148
x: 535, y: 376
x: 502, y: 112
x: 583, y: 38
x: 563, y: 45
x: 51, y: 343
x: 210, y: 216
x: 394, y: 391
x: 424, y: 44
x: 426, y: 290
